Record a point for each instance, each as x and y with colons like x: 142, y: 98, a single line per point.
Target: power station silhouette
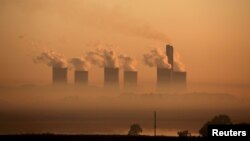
x: 167, y: 78
x: 59, y: 75
x: 81, y: 77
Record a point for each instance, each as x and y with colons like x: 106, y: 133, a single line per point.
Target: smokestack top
x: 111, y: 68
x: 81, y: 71
x: 180, y: 72
x: 170, y: 55
x: 132, y: 71
x: 169, y: 46
x: 63, y: 68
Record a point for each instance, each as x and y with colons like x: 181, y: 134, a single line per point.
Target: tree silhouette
x: 135, y: 130
x: 184, y: 133
x: 217, y: 120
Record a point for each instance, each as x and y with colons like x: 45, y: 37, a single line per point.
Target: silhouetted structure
x: 130, y: 78
x: 179, y: 79
x: 168, y: 79
x: 184, y: 133
x: 81, y: 77
x: 59, y: 75
x: 111, y: 77
x: 154, y: 123
x: 163, y: 77
x: 170, y: 55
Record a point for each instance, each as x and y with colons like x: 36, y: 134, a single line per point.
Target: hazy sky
x: 211, y: 36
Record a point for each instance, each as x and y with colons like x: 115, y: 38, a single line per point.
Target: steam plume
x: 178, y: 65
x: 51, y: 58
x: 127, y: 63
x: 80, y: 64
x: 156, y: 58
x: 103, y: 58
x: 142, y: 31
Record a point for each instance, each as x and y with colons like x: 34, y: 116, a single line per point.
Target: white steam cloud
x: 127, y: 63
x: 103, y: 58
x: 156, y: 58
x: 79, y: 64
x: 51, y: 58
x: 178, y: 65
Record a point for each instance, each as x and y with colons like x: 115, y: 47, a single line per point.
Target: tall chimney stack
x: 81, y: 77
x: 59, y: 75
x: 170, y: 55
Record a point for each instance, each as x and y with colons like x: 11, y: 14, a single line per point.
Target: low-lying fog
x: 93, y: 110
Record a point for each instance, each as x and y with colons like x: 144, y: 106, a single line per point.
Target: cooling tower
x: 111, y: 77
x: 170, y: 55
x: 81, y: 77
x: 163, y: 77
x: 179, y: 79
x: 130, y: 78
x: 59, y: 75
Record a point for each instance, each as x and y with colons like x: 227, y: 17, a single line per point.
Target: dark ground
x: 95, y: 138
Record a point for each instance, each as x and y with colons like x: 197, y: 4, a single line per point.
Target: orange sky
x: 211, y: 36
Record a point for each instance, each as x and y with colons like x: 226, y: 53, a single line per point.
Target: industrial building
x: 130, y: 79
x: 170, y: 79
x: 59, y: 75
x: 111, y: 77
x: 163, y: 79
x: 179, y: 79
x: 167, y: 78
x: 81, y: 77
x: 163, y: 76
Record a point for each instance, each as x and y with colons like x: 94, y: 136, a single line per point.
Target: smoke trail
x: 142, y: 31
x: 127, y: 63
x: 178, y: 65
x: 51, y: 58
x: 79, y: 63
x: 103, y: 58
x: 156, y: 58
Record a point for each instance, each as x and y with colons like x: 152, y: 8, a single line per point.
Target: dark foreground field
x: 95, y: 138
